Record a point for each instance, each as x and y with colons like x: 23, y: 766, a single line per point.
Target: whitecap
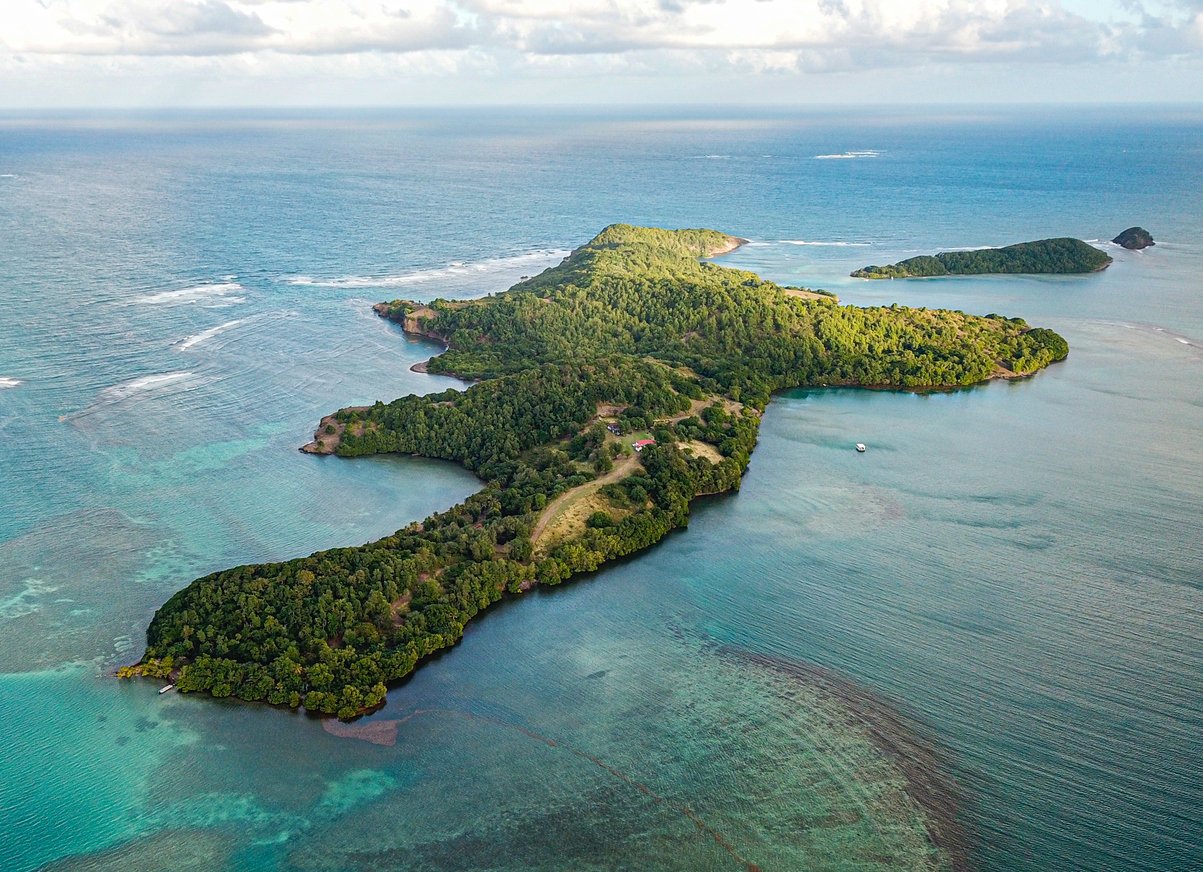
x: 453, y: 270
x: 825, y: 244
x: 849, y: 155
x: 197, y: 338
x: 192, y: 294
x: 8, y: 175
x: 134, y: 390
x: 9, y: 382
x: 143, y: 384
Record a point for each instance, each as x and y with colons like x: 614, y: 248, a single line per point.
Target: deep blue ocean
x: 1012, y: 572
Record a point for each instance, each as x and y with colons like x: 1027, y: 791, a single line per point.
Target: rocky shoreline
x: 329, y: 433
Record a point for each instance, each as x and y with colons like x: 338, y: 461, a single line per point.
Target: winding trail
x: 622, y: 468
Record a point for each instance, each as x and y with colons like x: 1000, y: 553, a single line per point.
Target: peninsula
x: 1062, y: 256
x: 611, y: 391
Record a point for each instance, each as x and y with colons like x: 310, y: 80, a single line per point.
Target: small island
x: 609, y: 393
x: 1134, y: 239
x: 1061, y: 256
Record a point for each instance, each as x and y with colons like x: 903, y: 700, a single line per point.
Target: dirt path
x: 623, y: 467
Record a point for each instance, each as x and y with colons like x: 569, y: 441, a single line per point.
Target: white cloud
x: 220, y: 27
x: 251, y: 40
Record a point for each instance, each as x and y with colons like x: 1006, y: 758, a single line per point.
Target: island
x: 1061, y: 256
x: 609, y: 393
x: 1134, y: 239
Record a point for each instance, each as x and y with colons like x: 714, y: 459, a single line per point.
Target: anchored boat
x: 860, y: 446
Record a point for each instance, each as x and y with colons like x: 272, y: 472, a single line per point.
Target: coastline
x: 411, y: 322
x: 329, y: 433
x: 962, y: 275
x: 492, y: 432
x: 733, y: 244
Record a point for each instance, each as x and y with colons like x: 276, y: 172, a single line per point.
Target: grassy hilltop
x: 632, y: 336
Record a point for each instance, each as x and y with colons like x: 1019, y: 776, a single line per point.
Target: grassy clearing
x: 702, y: 449
x: 565, y: 516
x: 803, y: 294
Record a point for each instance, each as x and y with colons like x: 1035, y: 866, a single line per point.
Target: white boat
x: 163, y: 690
x: 860, y: 446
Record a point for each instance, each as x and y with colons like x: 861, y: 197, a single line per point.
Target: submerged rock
x: 1135, y: 238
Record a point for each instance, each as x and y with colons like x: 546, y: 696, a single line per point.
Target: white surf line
x: 826, y: 244
x: 453, y: 270
x: 849, y: 155
x: 190, y: 294
x: 198, y: 338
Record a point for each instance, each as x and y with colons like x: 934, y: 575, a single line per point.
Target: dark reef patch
x: 908, y: 744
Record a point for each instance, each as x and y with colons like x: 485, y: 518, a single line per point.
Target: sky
x: 213, y: 53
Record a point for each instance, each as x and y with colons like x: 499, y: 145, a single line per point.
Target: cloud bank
x: 549, y: 40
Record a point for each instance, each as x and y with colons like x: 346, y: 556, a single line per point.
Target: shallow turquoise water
x: 1016, y: 567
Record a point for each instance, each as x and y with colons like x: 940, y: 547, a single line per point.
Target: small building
x: 614, y: 428
x: 642, y: 443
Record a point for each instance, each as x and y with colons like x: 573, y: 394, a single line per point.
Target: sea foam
x: 141, y: 388
x: 9, y: 382
x: 454, y: 270
x: 825, y: 244
x: 193, y: 294
x: 198, y: 338
x: 849, y: 155
x: 142, y: 385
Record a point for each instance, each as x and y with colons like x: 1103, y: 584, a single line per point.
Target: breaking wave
x: 849, y: 155
x: 198, y: 338
x: 457, y: 270
x: 9, y: 382
x: 825, y: 244
x: 141, y: 388
x: 195, y: 294
x: 142, y: 385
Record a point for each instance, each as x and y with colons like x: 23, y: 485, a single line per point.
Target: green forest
x: 634, y: 333
x: 1062, y: 256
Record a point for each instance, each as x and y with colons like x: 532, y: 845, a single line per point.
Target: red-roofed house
x: 642, y: 443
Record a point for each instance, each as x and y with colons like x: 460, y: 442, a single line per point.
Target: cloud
x: 554, y: 40
x: 127, y: 28
x: 819, y: 33
x: 873, y: 31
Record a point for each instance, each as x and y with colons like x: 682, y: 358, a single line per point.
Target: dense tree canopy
x: 631, y: 334
x: 1062, y: 256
